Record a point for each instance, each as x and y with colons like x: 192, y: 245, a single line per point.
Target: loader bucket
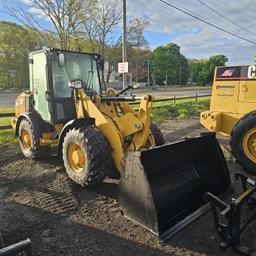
x: 162, y: 188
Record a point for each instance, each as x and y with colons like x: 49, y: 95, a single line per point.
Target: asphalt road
x: 7, y: 99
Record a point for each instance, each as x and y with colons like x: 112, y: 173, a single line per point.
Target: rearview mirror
x: 62, y: 60
x: 75, y: 84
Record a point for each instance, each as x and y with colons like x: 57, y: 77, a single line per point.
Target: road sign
x: 11, y: 72
x: 123, y: 67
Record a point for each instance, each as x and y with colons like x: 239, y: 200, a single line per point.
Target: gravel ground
x: 61, y: 218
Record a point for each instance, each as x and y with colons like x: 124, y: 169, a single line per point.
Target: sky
x: 196, y: 39
x: 199, y: 40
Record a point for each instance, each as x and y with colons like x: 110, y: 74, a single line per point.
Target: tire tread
x: 98, y: 153
x: 243, y: 125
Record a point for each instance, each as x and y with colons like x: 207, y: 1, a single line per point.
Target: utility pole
x: 180, y: 75
x: 124, y: 47
x: 148, y: 74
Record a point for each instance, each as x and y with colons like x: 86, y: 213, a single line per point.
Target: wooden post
x: 124, y: 47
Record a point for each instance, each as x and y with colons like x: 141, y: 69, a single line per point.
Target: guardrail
x: 173, y: 99
x: 6, y: 127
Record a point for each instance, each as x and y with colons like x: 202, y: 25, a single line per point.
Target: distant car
x: 135, y: 85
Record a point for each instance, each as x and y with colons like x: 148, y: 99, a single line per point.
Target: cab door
x: 39, y: 84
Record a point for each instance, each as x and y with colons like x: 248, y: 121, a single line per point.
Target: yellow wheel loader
x: 232, y: 111
x: 96, y: 131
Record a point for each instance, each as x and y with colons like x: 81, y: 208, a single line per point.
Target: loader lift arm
x: 126, y: 132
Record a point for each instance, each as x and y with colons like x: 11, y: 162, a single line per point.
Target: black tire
x: 96, y: 151
x: 239, y: 131
x: 157, y: 134
x: 113, y: 172
x: 33, y: 150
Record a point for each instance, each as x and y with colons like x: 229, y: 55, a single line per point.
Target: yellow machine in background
x: 232, y: 111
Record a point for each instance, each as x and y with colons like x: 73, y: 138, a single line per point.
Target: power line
x: 207, y: 22
x: 242, y: 10
x: 247, y: 11
x: 223, y: 16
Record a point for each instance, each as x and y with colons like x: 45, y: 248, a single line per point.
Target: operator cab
x: 51, y: 71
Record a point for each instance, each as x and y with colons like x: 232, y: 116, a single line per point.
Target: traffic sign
x: 123, y: 67
x: 11, y: 72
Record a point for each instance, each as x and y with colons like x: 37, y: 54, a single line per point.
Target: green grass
x: 182, y: 109
x: 7, y: 110
x: 5, y: 120
x: 7, y: 136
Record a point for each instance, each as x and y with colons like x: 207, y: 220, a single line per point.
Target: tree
x: 197, y: 71
x: 103, y: 19
x: 106, y: 15
x: 202, y: 71
x: 64, y: 16
x: 113, y: 55
x: 135, y: 32
x: 137, y: 48
x: 169, y: 65
x: 214, y: 61
x: 139, y: 58
x: 15, y: 44
x: 71, y: 22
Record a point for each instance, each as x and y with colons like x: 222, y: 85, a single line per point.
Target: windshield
x: 78, y: 66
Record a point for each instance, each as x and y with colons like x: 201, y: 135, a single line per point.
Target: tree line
x: 92, y: 26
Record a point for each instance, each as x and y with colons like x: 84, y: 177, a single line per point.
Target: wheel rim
x: 249, y: 144
x: 76, y: 157
x: 25, y: 139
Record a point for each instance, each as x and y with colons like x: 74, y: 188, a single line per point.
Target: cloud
x: 27, y: 2
x: 39, y: 13
x: 198, y: 40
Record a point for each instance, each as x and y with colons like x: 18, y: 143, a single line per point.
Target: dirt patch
x: 61, y: 218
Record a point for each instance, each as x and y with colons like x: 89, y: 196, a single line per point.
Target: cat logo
x: 251, y: 72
